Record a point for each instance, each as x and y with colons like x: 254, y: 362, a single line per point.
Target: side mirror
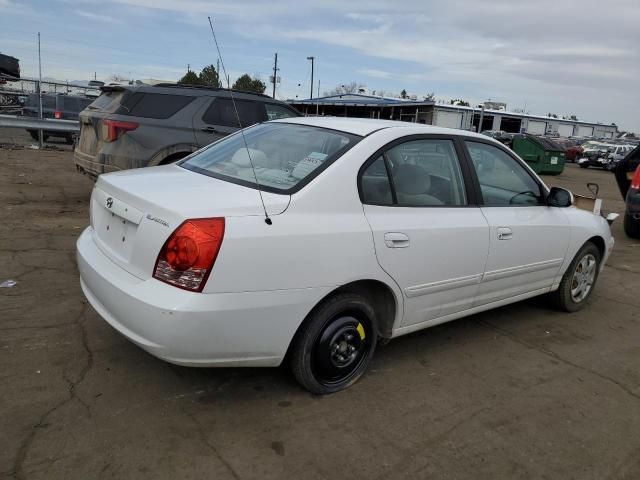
x: 559, y: 197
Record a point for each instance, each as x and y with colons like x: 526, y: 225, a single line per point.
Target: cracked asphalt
x: 520, y: 392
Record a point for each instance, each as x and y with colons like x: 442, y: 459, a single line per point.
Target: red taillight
x: 115, y: 128
x: 188, y: 255
x: 635, y: 181
x: 57, y: 114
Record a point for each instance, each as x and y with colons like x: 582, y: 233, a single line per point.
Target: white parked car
x: 375, y: 229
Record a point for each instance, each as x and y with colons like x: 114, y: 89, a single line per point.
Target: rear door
x: 528, y: 239
x: 218, y: 118
x: 429, y: 234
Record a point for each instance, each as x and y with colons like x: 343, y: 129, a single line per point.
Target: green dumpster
x: 542, y: 154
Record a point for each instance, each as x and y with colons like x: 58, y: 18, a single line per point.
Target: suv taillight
x: 188, y: 255
x: 635, y: 181
x: 57, y: 114
x: 115, y: 128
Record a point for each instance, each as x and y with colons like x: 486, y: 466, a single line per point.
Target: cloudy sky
x: 567, y: 57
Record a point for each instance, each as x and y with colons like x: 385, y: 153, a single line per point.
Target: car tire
x: 631, y: 226
x: 583, y: 165
x: 35, y: 136
x: 335, y: 344
x: 579, y: 280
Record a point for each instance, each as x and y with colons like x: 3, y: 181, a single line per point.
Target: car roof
x: 366, y: 126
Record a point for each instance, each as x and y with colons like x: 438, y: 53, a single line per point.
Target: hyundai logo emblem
x: 109, y: 202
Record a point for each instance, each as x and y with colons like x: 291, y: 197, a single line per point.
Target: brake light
x: 57, y: 114
x: 115, y: 128
x: 635, y: 181
x: 188, y: 255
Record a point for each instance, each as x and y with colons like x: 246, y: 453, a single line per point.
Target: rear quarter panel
x: 321, y: 240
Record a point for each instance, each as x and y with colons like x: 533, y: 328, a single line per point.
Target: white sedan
x: 311, y: 239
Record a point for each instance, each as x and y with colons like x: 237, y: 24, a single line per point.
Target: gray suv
x: 138, y: 126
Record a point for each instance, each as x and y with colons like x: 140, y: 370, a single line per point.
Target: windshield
x: 285, y: 156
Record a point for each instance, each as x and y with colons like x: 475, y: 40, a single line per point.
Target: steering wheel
x: 528, y: 194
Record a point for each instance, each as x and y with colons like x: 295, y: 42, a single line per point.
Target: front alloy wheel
x: 579, y: 280
x: 583, y: 278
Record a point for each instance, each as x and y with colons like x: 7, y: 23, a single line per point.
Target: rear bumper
x: 596, y: 162
x: 193, y: 329
x: 90, y: 165
x: 633, y: 203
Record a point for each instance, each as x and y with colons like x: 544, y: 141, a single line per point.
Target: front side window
x: 417, y: 173
x: 222, y: 112
x: 283, y: 155
x: 275, y: 112
x: 503, y: 181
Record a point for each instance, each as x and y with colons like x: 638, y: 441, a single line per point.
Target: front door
x: 528, y: 239
x: 219, y: 118
x: 427, y: 235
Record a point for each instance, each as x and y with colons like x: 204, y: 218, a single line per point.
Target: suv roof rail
x: 206, y: 87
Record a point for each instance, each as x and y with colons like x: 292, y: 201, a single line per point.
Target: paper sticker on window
x: 308, y: 165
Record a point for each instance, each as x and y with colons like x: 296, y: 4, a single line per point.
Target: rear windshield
x: 285, y: 156
x: 108, y: 101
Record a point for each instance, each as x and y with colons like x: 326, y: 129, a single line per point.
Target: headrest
x: 241, y: 159
x: 411, y: 179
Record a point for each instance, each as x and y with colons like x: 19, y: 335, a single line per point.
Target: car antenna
x: 267, y: 220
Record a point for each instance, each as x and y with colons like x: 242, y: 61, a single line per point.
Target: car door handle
x: 396, y: 240
x: 209, y: 130
x: 504, y: 233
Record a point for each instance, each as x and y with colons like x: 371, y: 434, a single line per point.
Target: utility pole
x: 312, y: 59
x: 40, y: 133
x: 275, y: 74
x: 481, y: 119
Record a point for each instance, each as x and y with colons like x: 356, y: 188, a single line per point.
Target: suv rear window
x: 221, y: 112
x: 285, y: 156
x: 153, y: 105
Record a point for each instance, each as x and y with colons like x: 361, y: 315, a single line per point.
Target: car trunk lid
x: 134, y: 212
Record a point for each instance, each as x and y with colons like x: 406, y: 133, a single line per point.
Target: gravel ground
x: 520, y: 392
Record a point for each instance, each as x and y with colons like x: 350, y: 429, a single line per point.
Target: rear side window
x: 153, y: 105
x: 418, y: 173
x: 376, y: 188
x: 73, y: 104
x: 221, y: 112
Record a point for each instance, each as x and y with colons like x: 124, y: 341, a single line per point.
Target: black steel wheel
x: 333, y: 347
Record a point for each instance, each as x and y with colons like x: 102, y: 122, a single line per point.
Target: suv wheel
x: 335, y: 344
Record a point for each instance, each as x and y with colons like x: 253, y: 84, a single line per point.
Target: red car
x: 572, y: 153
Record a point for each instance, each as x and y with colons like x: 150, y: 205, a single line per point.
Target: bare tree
x: 347, y: 88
